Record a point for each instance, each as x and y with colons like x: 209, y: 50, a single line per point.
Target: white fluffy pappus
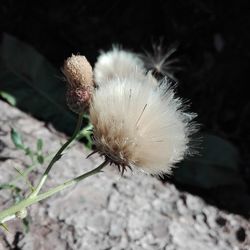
x: 141, y: 125
x: 117, y: 63
x: 162, y: 61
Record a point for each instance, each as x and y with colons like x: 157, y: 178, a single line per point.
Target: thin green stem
x: 10, y: 217
x: 57, y: 157
x: 9, y: 212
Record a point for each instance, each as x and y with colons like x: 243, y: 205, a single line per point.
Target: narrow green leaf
x: 26, y: 225
x: 4, y: 226
x: 40, y: 159
x: 17, y: 139
x: 86, y: 133
x: 29, y: 153
x: 39, y: 145
x: 89, y: 144
x: 6, y: 186
x: 9, y: 98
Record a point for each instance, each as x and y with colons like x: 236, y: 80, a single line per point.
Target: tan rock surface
x: 107, y: 211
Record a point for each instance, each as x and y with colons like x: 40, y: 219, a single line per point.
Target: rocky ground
x: 107, y: 211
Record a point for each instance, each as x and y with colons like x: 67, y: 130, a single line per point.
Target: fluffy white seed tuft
x: 139, y: 124
x: 117, y: 63
x: 162, y: 62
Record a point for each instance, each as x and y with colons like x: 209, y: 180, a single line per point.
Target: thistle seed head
x: 139, y: 124
x: 117, y: 63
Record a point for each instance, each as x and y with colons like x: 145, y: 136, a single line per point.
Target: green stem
x: 9, y: 212
x: 57, y: 157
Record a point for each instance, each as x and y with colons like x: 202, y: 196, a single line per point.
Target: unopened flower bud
x: 79, y: 74
x: 78, y: 71
x: 78, y: 99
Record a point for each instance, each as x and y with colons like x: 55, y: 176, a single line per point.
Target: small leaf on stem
x: 9, y: 98
x: 17, y: 139
x: 39, y: 145
x: 26, y: 225
x: 40, y: 159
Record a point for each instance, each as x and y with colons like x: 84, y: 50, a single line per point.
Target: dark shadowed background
x: 212, y: 40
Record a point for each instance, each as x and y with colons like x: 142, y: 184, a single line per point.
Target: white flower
x: 138, y: 123
x: 117, y: 63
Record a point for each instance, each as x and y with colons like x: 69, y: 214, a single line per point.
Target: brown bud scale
x: 78, y: 99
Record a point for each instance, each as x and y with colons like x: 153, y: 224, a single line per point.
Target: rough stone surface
x: 106, y: 211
